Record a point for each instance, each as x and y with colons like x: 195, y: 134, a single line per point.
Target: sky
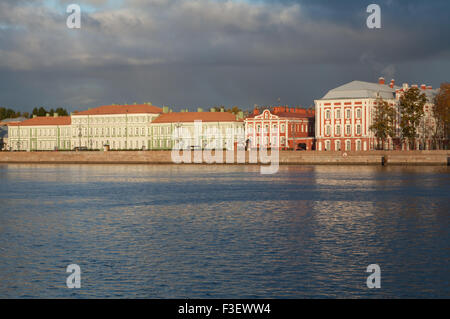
x: 202, y: 53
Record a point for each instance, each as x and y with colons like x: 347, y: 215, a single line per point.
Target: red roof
x: 294, y: 113
x: 44, y: 120
x: 195, y: 116
x: 121, y: 109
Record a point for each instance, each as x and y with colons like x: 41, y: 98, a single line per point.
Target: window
x: 358, y: 113
x: 327, y: 145
x: 258, y: 128
x: 348, y: 145
x: 328, y: 130
x: 358, y: 145
x: 274, y: 141
x: 282, y: 128
x: 338, y: 145
x: 348, y: 114
x: 327, y: 115
x: 250, y: 129
x: 358, y: 129
x: 348, y: 130
x: 338, y: 114
x: 338, y: 130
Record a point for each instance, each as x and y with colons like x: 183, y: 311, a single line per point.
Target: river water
x: 169, y: 231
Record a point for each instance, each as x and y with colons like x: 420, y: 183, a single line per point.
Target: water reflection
x: 223, y: 231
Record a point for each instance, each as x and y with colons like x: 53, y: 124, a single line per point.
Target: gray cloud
x: 203, y: 52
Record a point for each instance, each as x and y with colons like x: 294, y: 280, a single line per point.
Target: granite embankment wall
x: 285, y: 157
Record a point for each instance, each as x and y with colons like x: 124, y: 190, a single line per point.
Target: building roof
x: 285, y: 112
x: 294, y: 115
x: 12, y: 120
x: 121, y: 109
x: 360, y: 89
x: 44, y: 120
x: 195, y: 116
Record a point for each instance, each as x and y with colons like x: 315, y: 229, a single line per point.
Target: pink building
x: 344, y: 116
x: 282, y: 127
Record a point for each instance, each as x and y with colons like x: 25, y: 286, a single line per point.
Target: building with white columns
x: 123, y: 127
x: 344, y: 116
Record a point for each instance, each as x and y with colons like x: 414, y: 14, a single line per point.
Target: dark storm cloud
x: 200, y: 52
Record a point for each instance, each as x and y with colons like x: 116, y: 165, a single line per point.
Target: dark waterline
x: 171, y: 231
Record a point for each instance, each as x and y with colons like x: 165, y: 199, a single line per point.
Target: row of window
x: 294, y: 128
x: 348, y: 114
x: 337, y: 130
x: 347, y: 145
x: 98, y: 120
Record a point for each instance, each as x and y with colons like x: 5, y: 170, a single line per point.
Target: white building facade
x: 122, y: 127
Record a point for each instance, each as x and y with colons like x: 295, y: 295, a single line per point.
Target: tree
x: 61, y: 111
x: 8, y: 113
x: 411, y: 112
x: 41, y: 112
x: 383, y: 124
x: 441, y: 113
x: 235, y: 110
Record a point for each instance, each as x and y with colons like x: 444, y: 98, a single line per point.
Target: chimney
x: 34, y: 115
x: 255, y: 111
x: 414, y: 86
x: 55, y: 114
x: 405, y: 86
x: 392, y: 83
x: 423, y: 87
x: 429, y: 87
x: 199, y: 109
x: 212, y: 109
x: 165, y: 109
x: 381, y: 80
x: 47, y: 114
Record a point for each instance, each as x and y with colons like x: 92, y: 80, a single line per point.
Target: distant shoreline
x: 441, y: 158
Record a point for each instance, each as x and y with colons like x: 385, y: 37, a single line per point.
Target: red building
x: 281, y: 126
x: 346, y: 113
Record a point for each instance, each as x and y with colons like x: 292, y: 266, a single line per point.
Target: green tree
x: 411, y: 112
x: 383, y: 124
x: 61, y: 111
x: 41, y: 111
x: 441, y: 114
